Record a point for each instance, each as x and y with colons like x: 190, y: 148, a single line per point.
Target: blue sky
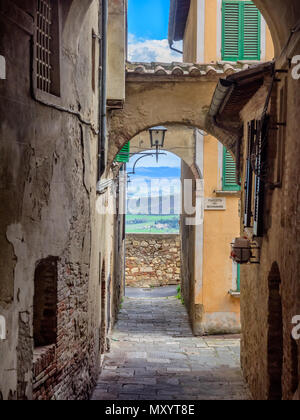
x: 169, y: 160
x: 148, y: 18
x: 148, y: 22
x: 164, y: 173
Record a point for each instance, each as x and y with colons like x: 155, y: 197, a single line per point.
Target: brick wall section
x: 65, y: 370
x: 280, y: 245
x: 44, y: 372
x: 152, y: 260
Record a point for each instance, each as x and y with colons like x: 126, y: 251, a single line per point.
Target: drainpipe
x: 103, y: 23
x: 174, y: 49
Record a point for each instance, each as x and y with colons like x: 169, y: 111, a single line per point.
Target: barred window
x: 256, y: 173
x: 47, y: 68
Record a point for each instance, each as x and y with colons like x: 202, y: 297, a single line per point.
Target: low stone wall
x: 152, y: 260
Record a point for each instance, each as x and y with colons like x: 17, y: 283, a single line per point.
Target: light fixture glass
x: 157, y: 136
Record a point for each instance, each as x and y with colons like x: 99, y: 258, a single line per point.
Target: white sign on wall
x: 2, y: 328
x: 2, y: 67
x: 215, y: 204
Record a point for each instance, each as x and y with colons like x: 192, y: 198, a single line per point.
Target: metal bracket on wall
x: 255, y: 256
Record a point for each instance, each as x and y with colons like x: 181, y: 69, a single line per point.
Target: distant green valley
x: 140, y: 223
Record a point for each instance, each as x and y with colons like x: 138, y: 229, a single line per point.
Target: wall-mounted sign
x: 2, y: 67
x: 215, y: 204
x: 2, y: 328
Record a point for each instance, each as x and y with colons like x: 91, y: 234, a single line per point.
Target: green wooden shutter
x: 252, y: 28
x: 241, y: 29
x: 238, y: 278
x: 124, y: 155
x: 231, y: 32
x: 249, y: 176
x: 229, y: 172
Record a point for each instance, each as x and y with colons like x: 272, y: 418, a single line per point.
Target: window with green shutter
x: 124, y: 155
x: 241, y: 31
x: 229, y: 172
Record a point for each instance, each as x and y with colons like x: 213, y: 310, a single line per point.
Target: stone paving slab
x: 155, y: 356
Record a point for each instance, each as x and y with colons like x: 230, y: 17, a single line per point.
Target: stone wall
x: 271, y: 365
x: 152, y: 260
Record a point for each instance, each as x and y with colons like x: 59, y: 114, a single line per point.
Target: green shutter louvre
x: 238, y: 278
x: 231, y: 31
x: 124, y: 155
x: 240, y: 31
x: 229, y: 173
x: 251, y: 32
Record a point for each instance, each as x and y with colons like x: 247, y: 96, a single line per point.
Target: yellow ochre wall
x: 212, y: 52
x: 221, y: 311
x: 190, y: 37
x: 217, y: 310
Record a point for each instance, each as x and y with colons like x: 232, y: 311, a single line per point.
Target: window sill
x: 47, y: 98
x: 43, y: 357
x: 235, y: 294
x: 242, y: 62
x: 221, y: 193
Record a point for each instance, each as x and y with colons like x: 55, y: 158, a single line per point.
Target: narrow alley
x: 154, y: 356
x: 148, y: 144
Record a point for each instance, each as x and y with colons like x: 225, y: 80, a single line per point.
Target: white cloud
x: 168, y: 160
x: 154, y: 187
x: 145, y: 50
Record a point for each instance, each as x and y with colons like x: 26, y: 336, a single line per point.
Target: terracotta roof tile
x: 186, y: 69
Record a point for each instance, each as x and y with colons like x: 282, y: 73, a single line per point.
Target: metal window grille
x: 43, y: 45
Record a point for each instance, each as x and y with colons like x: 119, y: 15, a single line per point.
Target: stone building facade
x: 153, y: 260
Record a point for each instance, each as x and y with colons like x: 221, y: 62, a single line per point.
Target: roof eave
x: 179, y: 10
x: 227, y: 87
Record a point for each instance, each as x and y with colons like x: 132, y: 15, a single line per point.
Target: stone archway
x: 281, y: 17
x: 167, y: 95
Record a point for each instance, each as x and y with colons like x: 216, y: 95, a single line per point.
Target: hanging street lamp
x: 157, y: 138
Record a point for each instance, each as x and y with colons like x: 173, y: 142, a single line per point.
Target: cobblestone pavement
x: 154, y: 356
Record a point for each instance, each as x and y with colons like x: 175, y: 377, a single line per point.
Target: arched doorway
x: 209, y: 280
x: 45, y: 303
x: 295, y: 367
x: 154, y: 203
x: 275, y: 335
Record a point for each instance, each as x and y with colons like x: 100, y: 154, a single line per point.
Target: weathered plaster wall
x: 152, y: 260
x: 117, y: 38
x: 110, y: 257
x: 48, y: 208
